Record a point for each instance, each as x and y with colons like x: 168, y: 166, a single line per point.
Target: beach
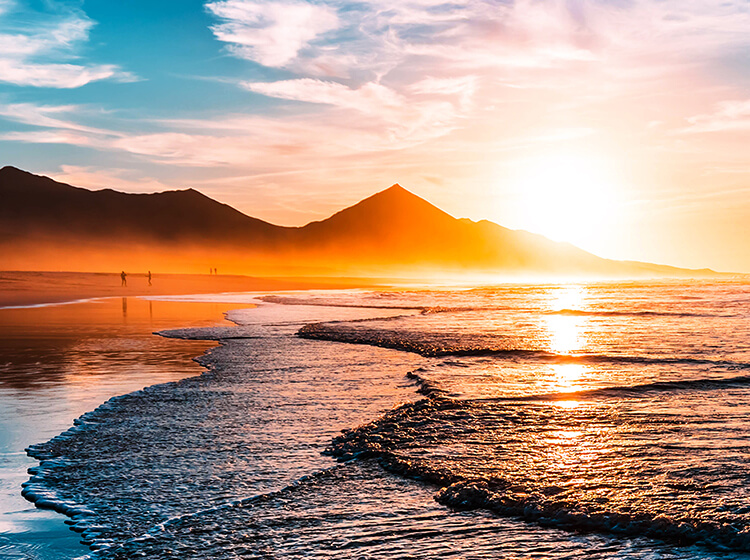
x: 69, y: 342
x: 35, y: 288
x: 544, y: 421
x: 60, y: 361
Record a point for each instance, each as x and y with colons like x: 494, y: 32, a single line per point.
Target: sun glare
x: 566, y: 376
x: 566, y: 332
x: 566, y: 197
x: 571, y: 296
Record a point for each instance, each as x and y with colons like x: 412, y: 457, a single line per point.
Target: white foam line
x: 224, y: 297
x: 194, y: 298
x: 56, y: 303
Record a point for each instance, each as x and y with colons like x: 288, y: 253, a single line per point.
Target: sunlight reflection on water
x: 566, y: 334
x: 654, y: 450
x: 567, y: 375
x: 570, y: 296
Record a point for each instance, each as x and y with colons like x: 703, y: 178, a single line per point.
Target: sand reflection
x: 45, y: 346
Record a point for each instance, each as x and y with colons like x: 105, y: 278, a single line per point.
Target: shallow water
x: 557, y: 421
x: 57, y: 362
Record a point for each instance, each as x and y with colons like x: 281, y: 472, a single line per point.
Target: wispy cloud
x: 729, y: 116
x: 370, y: 98
x: 102, y: 178
x: 421, y: 69
x: 368, y: 39
x: 50, y: 137
x: 39, y: 50
x: 48, y: 116
x: 403, y: 119
x: 270, y: 33
x: 407, y: 73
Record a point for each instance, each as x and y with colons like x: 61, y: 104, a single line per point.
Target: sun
x: 566, y: 196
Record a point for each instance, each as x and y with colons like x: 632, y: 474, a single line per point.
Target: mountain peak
x: 395, y: 189
x: 10, y: 171
x: 16, y: 182
x: 44, y: 223
x: 393, y: 201
x: 387, y: 214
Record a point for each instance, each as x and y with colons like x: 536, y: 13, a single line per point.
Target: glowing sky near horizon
x: 621, y: 126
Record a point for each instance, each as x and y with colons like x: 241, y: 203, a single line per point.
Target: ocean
x: 605, y: 420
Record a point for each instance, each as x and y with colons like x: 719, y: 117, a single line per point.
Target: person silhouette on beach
x: 123, y: 279
x: 149, y: 277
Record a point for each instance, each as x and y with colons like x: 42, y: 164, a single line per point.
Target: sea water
x: 59, y: 361
x: 606, y: 420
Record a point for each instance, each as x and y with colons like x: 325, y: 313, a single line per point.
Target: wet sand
x: 57, y: 362
x: 34, y: 288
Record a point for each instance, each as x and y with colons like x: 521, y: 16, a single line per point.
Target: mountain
x: 36, y: 205
x: 45, y: 224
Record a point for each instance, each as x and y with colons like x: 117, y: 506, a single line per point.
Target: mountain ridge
x: 160, y: 214
x: 391, y: 231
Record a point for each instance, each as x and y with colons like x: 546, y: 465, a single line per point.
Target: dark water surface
x: 545, y: 421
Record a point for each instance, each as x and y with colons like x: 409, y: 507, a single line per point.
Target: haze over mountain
x: 47, y: 225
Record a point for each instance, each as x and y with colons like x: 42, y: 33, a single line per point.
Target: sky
x: 621, y: 126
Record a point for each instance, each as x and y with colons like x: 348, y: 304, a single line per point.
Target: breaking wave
x: 478, y: 454
x: 435, y: 345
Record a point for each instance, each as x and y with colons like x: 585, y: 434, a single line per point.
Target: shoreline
x: 68, y: 522
x: 62, y: 336
x: 28, y: 289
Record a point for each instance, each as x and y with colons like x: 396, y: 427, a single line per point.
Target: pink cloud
x: 98, y: 178
x: 729, y: 116
x: 405, y: 120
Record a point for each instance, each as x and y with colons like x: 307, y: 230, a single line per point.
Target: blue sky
x: 621, y: 126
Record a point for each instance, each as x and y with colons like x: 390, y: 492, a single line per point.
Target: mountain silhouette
x: 47, y: 225
x: 34, y: 204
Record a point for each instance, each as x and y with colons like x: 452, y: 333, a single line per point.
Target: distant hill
x: 33, y: 205
x: 47, y: 225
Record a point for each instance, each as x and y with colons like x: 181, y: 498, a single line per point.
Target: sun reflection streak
x: 567, y: 375
x: 567, y: 404
x: 565, y: 332
x: 571, y: 296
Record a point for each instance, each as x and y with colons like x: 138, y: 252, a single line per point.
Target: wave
x: 423, y: 309
x: 432, y: 389
x: 491, y: 496
x: 40, y: 488
x: 439, y: 441
x: 359, y: 510
x: 286, y: 300
x: 164, y: 530
x: 446, y: 346
x: 426, y: 309
x: 633, y: 391
x: 424, y: 385
x: 615, y: 313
